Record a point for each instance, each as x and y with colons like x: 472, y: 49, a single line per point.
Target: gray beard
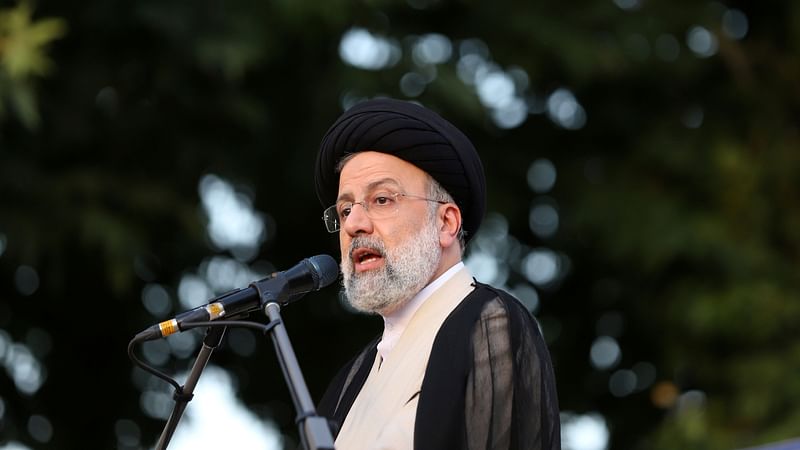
x: 406, y: 270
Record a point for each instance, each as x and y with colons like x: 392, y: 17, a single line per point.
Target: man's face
x: 386, y: 261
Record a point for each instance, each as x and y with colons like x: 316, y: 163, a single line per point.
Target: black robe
x: 489, y: 381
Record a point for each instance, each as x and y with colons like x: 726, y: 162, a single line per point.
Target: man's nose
x: 358, y: 221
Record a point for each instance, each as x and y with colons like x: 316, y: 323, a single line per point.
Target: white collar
x: 395, y: 323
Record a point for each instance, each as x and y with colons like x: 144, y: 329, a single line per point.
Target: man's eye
x: 382, y: 200
x: 344, y: 211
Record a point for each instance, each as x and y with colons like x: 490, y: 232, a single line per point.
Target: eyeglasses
x: 377, y: 206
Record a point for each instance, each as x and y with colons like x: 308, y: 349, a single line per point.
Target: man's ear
x: 449, y: 225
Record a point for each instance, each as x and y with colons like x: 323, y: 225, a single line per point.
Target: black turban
x: 411, y: 133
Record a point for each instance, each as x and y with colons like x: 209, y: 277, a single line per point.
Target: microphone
x: 310, y: 274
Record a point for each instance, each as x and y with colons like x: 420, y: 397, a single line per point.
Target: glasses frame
x: 333, y: 223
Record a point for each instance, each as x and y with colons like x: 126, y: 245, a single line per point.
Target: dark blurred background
x: 643, y: 167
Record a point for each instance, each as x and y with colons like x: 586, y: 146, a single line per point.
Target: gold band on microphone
x: 168, y: 327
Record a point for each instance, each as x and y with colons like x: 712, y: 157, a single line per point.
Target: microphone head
x: 324, y: 270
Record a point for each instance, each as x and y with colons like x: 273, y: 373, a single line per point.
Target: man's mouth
x: 366, y: 259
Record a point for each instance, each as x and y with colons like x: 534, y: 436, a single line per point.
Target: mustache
x: 370, y: 242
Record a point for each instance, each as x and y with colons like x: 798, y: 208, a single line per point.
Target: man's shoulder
x: 491, y: 308
x: 485, y: 303
x: 484, y: 296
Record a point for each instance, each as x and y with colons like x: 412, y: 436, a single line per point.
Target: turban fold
x: 414, y: 134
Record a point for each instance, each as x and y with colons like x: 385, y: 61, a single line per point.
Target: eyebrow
x: 372, y: 186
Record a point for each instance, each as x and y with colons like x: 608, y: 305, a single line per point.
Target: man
x: 459, y: 364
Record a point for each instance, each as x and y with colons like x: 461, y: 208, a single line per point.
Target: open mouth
x: 366, y: 258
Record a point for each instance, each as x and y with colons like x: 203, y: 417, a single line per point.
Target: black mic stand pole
x: 314, y: 430
x: 184, y: 396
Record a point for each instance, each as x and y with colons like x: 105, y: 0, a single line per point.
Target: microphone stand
x: 183, y: 396
x: 315, y: 432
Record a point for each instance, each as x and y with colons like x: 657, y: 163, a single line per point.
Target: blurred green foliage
x: 676, y: 199
x: 23, y: 58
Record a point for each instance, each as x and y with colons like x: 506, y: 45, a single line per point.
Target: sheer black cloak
x: 489, y: 382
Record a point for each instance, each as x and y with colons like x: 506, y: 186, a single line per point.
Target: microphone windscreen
x: 326, y: 269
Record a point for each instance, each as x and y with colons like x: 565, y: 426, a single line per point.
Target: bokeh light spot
x: 511, y: 115
x: 216, y: 407
x: 701, y: 41
x: 734, y: 24
x: 483, y: 266
x: 543, y: 219
x: 24, y: 368
x: 156, y: 404
x: 26, y: 279
x: 605, y: 353
x: 14, y: 445
x: 5, y: 344
x: 222, y: 274
x: 362, y: 49
x: 693, y: 117
x: 233, y: 224
x: 584, y: 431
x: 193, y: 291
x: 564, y: 110
x: 691, y: 400
x: 664, y: 394
x: 628, y: 4
x: 622, y: 383
x: 183, y: 345
x: 541, y: 266
x: 431, y: 48
x: 128, y: 433
x: 528, y: 295
x: 40, y: 428
x: 667, y: 48
x: 107, y: 101
x: 412, y: 84
x: 474, y: 46
x: 156, y: 352
x: 520, y: 78
x: 468, y: 67
x: 156, y: 299
x: 495, y: 89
